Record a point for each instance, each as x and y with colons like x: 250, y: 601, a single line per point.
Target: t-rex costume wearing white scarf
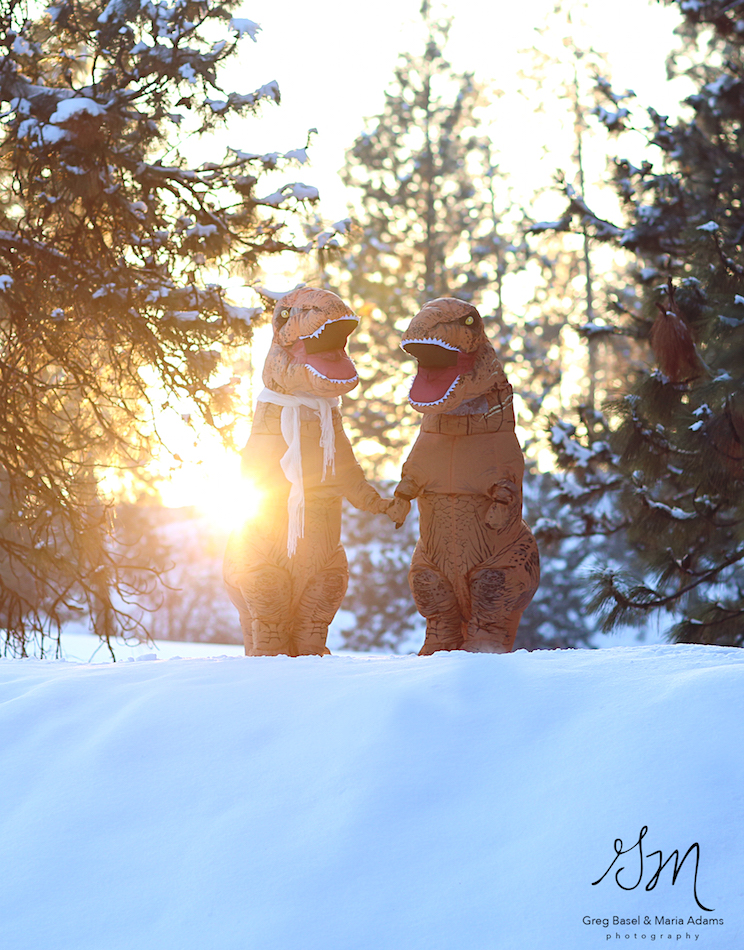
x: 285, y: 569
x: 476, y: 565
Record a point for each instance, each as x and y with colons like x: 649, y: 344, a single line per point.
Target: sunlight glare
x: 216, y: 489
x: 232, y: 509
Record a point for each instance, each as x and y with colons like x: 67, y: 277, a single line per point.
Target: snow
x: 718, y: 86
x: 269, y: 90
x: 187, y: 72
x: 246, y: 314
x: 297, y: 155
x: 276, y: 294
x: 115, y: 10
x: 326, y: 803
x: 201, y: 230
x: 648, y: 213
x: 27, y: 127
x: 242, y: 25
x: 73, y: 107
x: 296, y: 190
x: 539, y: 226
x: 679, y: 514
x: 271, y: 158
x: 20, y: 106
x: 326, y: 239
x: 611, y: 119
x: 21, y: 46
x: 304, y: 192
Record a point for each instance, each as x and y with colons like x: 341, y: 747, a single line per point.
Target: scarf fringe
x: 291, y: 461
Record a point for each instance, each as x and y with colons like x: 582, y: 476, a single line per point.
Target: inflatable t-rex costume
x: 285, y: 569
x: 476, y: 565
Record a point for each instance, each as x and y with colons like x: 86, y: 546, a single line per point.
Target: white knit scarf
x: 291, y: 461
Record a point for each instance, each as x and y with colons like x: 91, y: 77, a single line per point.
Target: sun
x: 214, y: 487
x: 229, y: 503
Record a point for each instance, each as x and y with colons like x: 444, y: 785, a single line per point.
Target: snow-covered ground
x: 85, y: 648
x: 453, y: 802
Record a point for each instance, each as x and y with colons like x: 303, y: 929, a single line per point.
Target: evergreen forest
x: 136, y: 278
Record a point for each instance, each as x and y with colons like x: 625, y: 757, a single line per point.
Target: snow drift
x: 346, y: 803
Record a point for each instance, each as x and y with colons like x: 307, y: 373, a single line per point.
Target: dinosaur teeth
x: 431, y: 340
x: 316, y: 333
x: 330, y: 379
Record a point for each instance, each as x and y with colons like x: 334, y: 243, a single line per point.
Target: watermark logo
x: 637, y: 861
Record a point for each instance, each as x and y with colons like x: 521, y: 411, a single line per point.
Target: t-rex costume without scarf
x: 476, y: 565
x: 285, y: 569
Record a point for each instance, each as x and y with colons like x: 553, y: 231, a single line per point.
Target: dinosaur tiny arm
x: 354, y: 485
x: 407, y: 488
x: 504, y: 496
x: 398, y: 510
x: 401, y: 503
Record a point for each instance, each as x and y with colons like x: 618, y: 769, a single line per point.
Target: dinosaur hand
x: 397, y: 510
x: 503, y: 495
x: 497, y: 516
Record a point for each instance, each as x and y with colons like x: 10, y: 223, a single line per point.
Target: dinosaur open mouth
x: 324, y: 351
x: 440, y: 368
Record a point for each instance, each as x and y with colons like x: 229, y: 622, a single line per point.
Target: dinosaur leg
x: 487, y: 630
x: 266, y: 594
x: 318, y: 606
x: 246, y: 618
x: 436, y: 601
x: 499, y: 594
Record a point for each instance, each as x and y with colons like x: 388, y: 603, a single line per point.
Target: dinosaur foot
x: 485, y: 646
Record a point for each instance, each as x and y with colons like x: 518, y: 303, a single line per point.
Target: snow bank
x: 380, y: 803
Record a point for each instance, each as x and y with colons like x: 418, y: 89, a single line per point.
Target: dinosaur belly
x: 263, y: 539
x: 456, y: 539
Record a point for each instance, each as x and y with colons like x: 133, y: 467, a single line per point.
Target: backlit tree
x: 112, y: 246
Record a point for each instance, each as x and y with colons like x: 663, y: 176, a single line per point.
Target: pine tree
x: 574, y: 282
x: 560, y: 350
x: 111, y: 247
x: 671, y: 454
x: 435, y: 212
x: 427, y: 225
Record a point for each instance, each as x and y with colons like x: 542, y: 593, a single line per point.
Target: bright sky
x: 333, y: 60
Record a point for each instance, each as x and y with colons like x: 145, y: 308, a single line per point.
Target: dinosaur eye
x: 468, y: 321
x: 284, y: 315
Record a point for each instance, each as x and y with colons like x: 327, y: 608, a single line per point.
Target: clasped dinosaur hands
x: 476, y: 565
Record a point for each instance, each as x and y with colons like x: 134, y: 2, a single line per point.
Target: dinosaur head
x: 308, y: 352
x: 456, y: 362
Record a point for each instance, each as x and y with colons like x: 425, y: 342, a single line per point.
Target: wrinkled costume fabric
x: 476, y: 565
x: 285, y: 569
